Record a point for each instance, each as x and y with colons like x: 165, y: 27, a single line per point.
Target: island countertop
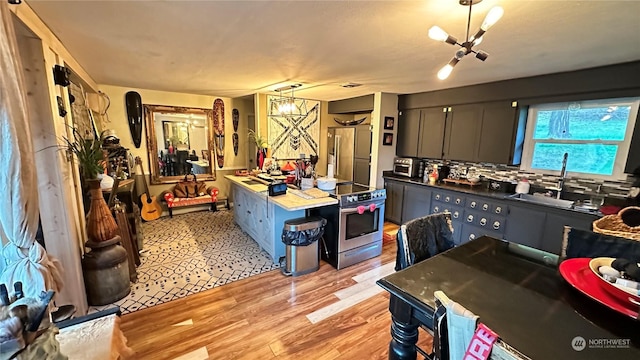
x: 287, y: 201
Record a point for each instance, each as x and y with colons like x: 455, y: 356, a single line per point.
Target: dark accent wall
x: 353, y: 105
x: 620, y: 80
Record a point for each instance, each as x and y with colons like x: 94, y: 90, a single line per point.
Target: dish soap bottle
x: 523, y: 186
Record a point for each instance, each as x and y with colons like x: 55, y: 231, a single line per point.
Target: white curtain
x: 25, y: 260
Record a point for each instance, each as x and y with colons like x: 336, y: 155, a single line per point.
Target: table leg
x: 404, y: 331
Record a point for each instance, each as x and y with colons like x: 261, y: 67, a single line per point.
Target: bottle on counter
x: 523, y: 186
x: 433, y: 176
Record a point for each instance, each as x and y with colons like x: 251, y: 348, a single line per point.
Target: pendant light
x: 466, y: 47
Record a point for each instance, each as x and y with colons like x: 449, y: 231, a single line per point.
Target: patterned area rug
x: 190, y: 253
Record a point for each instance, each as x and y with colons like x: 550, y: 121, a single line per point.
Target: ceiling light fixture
x: 286, y: 105
x: 436, y: 33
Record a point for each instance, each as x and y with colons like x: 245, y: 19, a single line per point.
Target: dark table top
x: 525, y: 301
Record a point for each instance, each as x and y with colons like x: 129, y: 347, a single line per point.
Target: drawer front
x: 470, y: 232
x: 456, y: 211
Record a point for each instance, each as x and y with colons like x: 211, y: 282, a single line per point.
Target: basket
x: 618, y: 224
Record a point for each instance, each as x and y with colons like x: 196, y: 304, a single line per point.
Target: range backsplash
x: 618, y: 189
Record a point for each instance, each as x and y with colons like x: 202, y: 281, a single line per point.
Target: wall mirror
x: 179, y: 142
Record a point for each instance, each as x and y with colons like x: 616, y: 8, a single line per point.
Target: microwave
x: 406, y: 167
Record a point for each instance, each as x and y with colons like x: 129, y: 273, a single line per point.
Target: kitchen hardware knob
x: 498, y: 209
x: 473, y: 204
x: 485, y: 207
x: 483, y: 221
x: 472, y: 236
x: 470, y: 218
x: 456, y: 214
x: 496, y: 225
x: 458, y: 200
x: 437, y: 196
x: 447, y: 199
x: 436, y: 209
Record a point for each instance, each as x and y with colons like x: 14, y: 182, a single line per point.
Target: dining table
x: 519, y: 293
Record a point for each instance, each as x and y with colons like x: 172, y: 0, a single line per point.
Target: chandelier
x: 466, y: 47
x: 286, y: 105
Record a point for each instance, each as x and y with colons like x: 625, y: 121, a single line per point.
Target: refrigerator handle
x: 336, y: 153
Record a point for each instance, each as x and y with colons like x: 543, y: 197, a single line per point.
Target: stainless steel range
x: 354, y: 227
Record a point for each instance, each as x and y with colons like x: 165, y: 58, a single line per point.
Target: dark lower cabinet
x: 554, y: 228
x: 525, y: 226
x: 393, y: 204
x: 416, y: 202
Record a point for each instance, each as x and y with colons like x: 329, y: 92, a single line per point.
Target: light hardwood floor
x: 264, y: 317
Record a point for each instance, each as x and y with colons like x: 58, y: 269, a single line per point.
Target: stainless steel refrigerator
x: 349, y: 150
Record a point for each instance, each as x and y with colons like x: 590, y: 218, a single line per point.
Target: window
x: 595, y: 134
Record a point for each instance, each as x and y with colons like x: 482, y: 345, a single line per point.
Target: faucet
x: 563, y: 175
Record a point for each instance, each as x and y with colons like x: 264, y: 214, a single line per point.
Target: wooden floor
x: 264, y: 317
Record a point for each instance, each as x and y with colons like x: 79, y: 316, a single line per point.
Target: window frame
x: 623, y: 145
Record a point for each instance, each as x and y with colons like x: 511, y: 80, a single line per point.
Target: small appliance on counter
x: 408, y: 167
x: 277, y: 188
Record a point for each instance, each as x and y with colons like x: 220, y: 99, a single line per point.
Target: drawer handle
x: 458, y: 201
x: 447, y: 199
x: 438, y: 197
x: 470, y: 218
x: 436, y: 209
x: 456, y: 214
x: 472, y: 236
x: 473, y: 204
x: 485, y: 207
x: 483, y: 221
x: 496, y: 225
x: 249, y: 212
x: 498, y: 209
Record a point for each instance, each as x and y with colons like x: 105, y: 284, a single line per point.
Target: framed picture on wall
x: 389, y: 122
x: 387, y: 139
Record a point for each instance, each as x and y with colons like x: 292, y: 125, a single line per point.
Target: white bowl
x: 326, y: 184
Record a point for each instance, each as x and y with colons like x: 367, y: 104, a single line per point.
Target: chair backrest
x: 584, y: 243
x: 422, y: 238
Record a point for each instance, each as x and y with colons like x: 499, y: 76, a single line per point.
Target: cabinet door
x: 361, y: 170
x: 463, y: 123
x: 416, y: 202
x: 431, y: 139
x: 525, y: 226
x: 393, y: 204
x: 363, y: 142
x: 408, y: 131
x: 554, y: 228
x: 497, y: 133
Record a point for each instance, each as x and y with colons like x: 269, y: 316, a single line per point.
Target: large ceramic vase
x: 105, y: 268
x: 260, y: 156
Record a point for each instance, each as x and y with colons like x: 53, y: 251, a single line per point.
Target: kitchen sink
x: 252, y: 182
x: 543, y: 200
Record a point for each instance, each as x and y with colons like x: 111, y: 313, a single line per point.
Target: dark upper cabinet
x: 408, y: 133
x: 497, y: 140
x: 633, y: 159
x: 432, y: 126
x: 462, y: 132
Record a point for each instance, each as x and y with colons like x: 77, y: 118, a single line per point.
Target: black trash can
x: 301, y: 237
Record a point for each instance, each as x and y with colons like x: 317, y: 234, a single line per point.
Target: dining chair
x: 422, y: 238
x: 577, y: 243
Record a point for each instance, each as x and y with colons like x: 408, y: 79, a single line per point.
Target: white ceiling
x: 237, y: 48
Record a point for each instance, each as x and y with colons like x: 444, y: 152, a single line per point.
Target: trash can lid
x: 305, y: 223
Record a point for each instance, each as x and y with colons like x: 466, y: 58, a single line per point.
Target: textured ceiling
x: 237, y: 48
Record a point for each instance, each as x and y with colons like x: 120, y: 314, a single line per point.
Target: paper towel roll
x: 330, y: 171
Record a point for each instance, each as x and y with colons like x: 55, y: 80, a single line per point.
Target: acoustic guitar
x: 151, y: 208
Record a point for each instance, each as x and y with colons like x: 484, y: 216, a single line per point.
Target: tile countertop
x: 287, y: 201
x: 479, y: 190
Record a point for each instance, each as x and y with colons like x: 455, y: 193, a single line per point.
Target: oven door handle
x: 355, y: 209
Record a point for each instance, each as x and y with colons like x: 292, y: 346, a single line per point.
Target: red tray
x: 578, y: 274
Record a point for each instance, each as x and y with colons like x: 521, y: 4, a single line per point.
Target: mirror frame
x: 152, y: 147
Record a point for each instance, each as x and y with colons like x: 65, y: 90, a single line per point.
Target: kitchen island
x: 262, y: 216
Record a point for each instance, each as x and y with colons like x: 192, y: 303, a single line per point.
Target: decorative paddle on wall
x: 134, y: 116
x: 218, y: 127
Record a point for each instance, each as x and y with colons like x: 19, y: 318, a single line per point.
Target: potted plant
x: 261, y: 145
x: 101, y: 225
